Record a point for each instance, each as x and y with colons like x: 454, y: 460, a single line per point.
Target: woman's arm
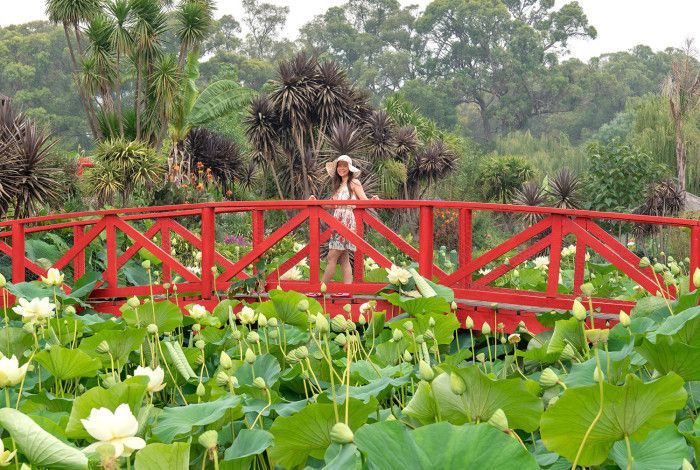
x: 360, y: 192
x: 313, y: 198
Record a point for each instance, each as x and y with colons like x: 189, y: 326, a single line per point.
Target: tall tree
x: 264, y: 22
x: 682, y: 89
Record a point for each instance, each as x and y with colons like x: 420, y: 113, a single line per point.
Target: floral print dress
x: 346, y: 217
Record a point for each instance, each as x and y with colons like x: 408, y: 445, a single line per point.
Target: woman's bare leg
x: 331, y: 262
x: 346, y: 267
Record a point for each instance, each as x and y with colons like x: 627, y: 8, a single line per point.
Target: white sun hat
x: 332, y: 166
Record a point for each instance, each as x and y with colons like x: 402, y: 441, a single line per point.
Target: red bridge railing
x: 152, y: 229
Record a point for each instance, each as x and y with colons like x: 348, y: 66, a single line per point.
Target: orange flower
x: 200, y: 186
x: 185, y: 185
x: 229, y: 193
x: 200, y: 165
x: 210, y: 177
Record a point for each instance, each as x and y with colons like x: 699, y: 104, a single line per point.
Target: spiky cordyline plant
x: 434, y: 162
x: 564, y: 190
x: 261, y: 126
x: 380, y: 135
x: 218, y: 153
x: 530, y: 194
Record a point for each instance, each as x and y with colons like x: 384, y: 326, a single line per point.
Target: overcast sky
x: 621, y: 24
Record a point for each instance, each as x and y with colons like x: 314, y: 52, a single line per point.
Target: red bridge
x: 121, y: 233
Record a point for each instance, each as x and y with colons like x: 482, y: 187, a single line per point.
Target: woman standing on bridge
x: 345, y: 187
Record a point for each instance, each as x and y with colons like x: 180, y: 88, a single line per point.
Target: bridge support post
x: 165, y: 245
x: 111, y: 242
x: 694, y: 253
x: 359, y: 262
x: 208, y: 241
x: 314, y: 247
x: 425, y: 260
x: 258, y: 229
x: 554, y: 257
x: 18, y: 253
x: 580, y: 261
x: 465, y: 243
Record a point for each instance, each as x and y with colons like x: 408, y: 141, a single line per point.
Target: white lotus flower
x: 541, y: 262
x: 198, y: 312
x: 53, y: 278
x: 10, y: 371
x: 35, y: 311
x: 297, y: 247
x: 155, y: 378
x: 247, y: 315
x: 397, y: 275
x: 293, y: 274
x: 196, y: 270
x: 367, y: 307
x: 5, y: 455
x: 370, y: 264
x: 118, y: 429
x: 484, y: 271
x: 588, y: 256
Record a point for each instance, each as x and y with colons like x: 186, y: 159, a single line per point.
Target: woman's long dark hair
x: 338, y: 180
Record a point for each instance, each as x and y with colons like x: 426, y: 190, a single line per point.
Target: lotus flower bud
x: 587, y: 289
x: 516, y: 273
x: 146, y: 264
x: 324, y: 288
x: 152, y: 329
x: 273, y: 334
x: 407, y: 356
x: 361, y: 319
x: 208, y: 439
x: 457, y: 384
x: 322, y: 325
x: 468, y: 323
x: 249, y: 356
x: 431, y: 322
x: 485, y: 329
x: 347, y: 308
x: 166, y: 285
x: 553, y: 400
x: 262, y: 320
x: 200, y: 344
x: 644, y: 263
x: 303, y: 305
x: 201, y: 391
x: 549, y: 378
x: 341, y: 434
x: 396, y: 335
x: 624, y: 319
x: 109, y: 381
x: 686, y: 465
x: 133, y: 302
x: 3, y: 281
x: 499, y: 420
x: 598, y: 375
x: 253, y: 337
x: 259, y: 382
x: 578, y: 310
x: 425, y: 372
x: 225, y: 360
x: 69, y: 310
x: 196, y: 328
x: 103, y: 347
x: 272, y: 322
x: 408, y: 326
x: 453, y: 305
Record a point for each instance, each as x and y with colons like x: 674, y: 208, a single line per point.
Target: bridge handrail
x: 136, y: 213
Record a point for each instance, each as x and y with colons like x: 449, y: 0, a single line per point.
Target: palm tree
x: 682, y: 89
x: 71, y: 13
x: 122, y: 43
x: 100, y: 51
x: 194, y: 19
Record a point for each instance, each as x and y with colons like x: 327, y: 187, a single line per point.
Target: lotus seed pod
x: 324, y: 288
x: 587, y: 289
x: 553, y: 400
x: 273, y: 334
x: 514, y: 338
x: 485, y: 329
x: 425, y: 372
x: 407, y: 356
x: 361, y: 319
x: 200, y: 344
x: 499, y: 420
x: 644, y: 263
x: 262, y: 320
x: 658, y: 267
x: 28, y: 328
x: 668, y: 278
x: 468, y: 323
x: 222, y: 378
x: 303, y: 305
x: 225, y: 360
x: 457, y: 384
x: 569, y: 352
x: 549, y: 378
x: 579, y: 311
x: 624, y: 319
x: 233, y: 382
x: 429, y: 335
x: 259, y: 382
x: 146, y: 264
x: 598, y: 375
x: 249, y: 356
x: 396, y: 335
x: 152, y: 329
x: 208, y: 439
x: 109, y: 381
x: 481, y: 357
x: 235, y: 334
x: 322, y: 325
x: 340, y: 340
x: 201, y: 391
x: 420, y: 339
x: 166, y: 285
x: 338, y: 324
x: 133, y: 302
x: 69, y: 310
x: 103, y: 347
x: 408, y: 326
x: 347, y: 308
x: 272, y: 322
x: 431, y: 322
x: 302, y: 352
x: 196, y: 328
x: 341, y: 434
x: 675, y: 269
x: 253, y: 337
